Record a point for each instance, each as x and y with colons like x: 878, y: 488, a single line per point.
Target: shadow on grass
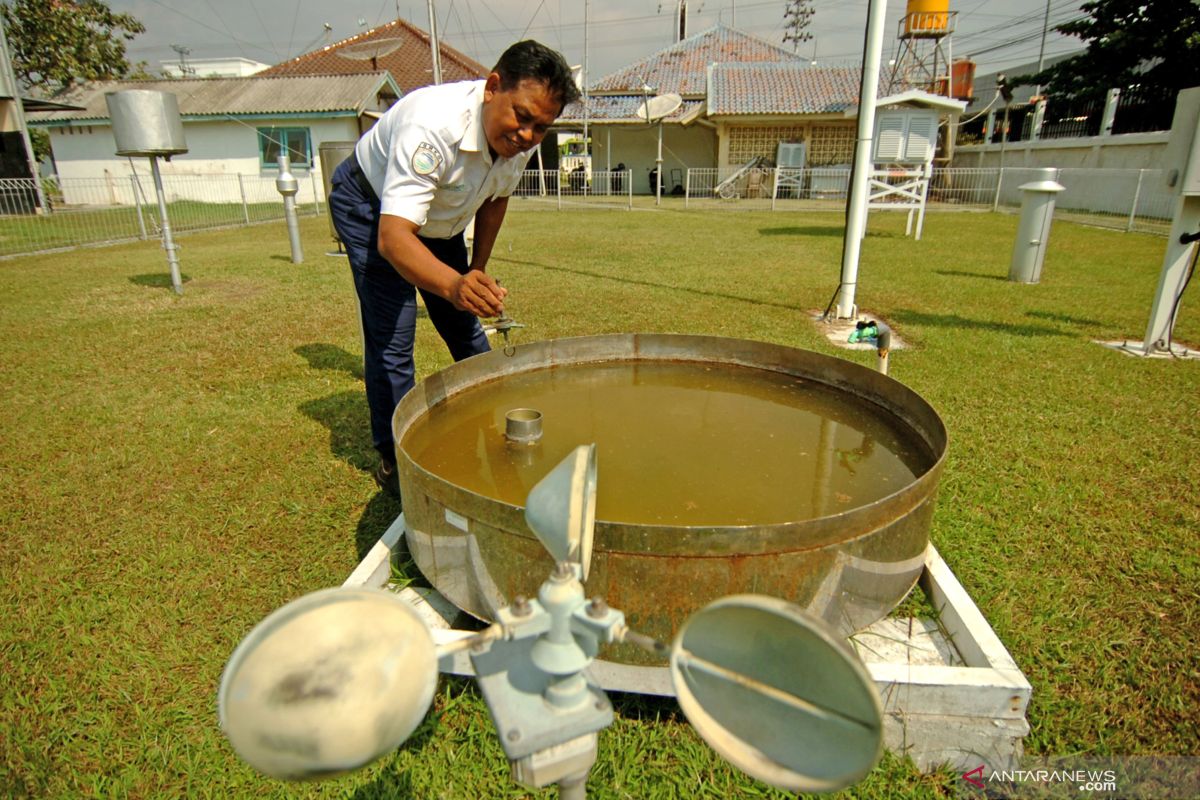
x: 652, y: 284
x: 377, y: 517
x: 958, y: 273
x: 804, y: 230
x: 1066, y: 319
x: 955, y: 322
x: 645, y: 707
x: 346, y: 417
x: 331, y: 357
x: 158, y: 280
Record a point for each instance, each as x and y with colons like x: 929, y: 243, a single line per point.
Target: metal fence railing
x: 82, y: 211
x: 577, y: 189
x: 92, y: 211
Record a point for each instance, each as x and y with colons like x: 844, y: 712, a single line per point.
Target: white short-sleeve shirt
x: 427, y: 159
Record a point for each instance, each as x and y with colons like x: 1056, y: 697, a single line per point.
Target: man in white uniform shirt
x: 437, y: 158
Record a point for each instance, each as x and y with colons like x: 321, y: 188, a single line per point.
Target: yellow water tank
x: 927, y: 18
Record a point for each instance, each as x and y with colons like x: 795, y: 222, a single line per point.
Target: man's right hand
x: 478, y: 292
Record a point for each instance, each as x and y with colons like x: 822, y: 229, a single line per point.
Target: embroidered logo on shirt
x: 426, y: 159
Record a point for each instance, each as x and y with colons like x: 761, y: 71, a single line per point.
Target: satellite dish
x: 561, y: 508
x: 659, y: 106
x: 777, y: 694
x: 370, y: 50
x: 328, y: 683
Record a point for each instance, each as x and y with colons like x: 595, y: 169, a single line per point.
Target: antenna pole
x: 434, y: 48
x: 587, y: 143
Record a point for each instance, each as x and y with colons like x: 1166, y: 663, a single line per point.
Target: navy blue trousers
x: 389, y: 305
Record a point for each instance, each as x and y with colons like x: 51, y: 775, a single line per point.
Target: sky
x: 996, y: 33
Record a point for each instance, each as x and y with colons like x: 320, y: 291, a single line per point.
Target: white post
x: 587, y: 144
x: 1110, y: 112
x: 1174, y: 275
x: 629, y: 187
x: 245, y: 205
x: 687, y: 188
x: 541, y: 174
x: 999, y: 181
x: 856, y: 224
x: 133, y: 181
x: 775, y: 187
x: 658, y: 168
x: 1039, y: 117
x: 1137, y: 196
x: 608, y: 156
x: 435, y: 52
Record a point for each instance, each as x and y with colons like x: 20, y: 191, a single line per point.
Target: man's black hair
x: 534, y: 61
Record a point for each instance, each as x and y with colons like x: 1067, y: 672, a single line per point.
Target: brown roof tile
x: 409, y: 63
x: 683, y: 66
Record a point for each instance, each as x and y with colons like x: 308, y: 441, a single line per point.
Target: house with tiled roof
x: 742, y: 96
x: 232, y: 126
x: 399, y: 47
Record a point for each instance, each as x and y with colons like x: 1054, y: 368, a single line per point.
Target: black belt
x: 361, y: 179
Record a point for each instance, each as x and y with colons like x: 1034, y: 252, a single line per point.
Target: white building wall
x: 636, y: 146
x: 214, y: 68
x: 222, y: 164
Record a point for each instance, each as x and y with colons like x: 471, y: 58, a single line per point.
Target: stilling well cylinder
x: 1033, y: 231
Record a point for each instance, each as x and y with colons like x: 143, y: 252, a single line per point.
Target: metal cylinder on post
x: 1033, y: 231
x: 288, y: 186
x: 147, y: 123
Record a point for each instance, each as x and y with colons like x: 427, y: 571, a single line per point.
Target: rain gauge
x: 147, y: 123
x: 338, y: 678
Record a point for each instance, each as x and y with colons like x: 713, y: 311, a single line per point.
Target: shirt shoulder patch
x: 426, y: 159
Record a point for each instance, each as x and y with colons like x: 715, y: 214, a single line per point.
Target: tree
x: 796, y: 18
x: 1154, y: 44
x: 56, y: 44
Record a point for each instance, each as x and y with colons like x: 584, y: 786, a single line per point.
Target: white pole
x: 587, y: 144
x: 856, y: 224
x: 435, y: 51
x: 658, y: 168
x: 541, y: 173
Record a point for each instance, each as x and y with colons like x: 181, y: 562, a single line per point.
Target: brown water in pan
x: 678, y: 443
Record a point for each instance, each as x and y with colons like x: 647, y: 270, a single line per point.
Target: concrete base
x: 1178, y: 352
x: 951, y: 692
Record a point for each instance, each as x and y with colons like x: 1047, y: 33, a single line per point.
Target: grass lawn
x: 175, y: 468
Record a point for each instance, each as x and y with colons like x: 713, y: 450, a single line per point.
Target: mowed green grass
x: 175, y: 468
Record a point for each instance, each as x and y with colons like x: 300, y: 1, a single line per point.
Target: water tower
x: 925, y: 60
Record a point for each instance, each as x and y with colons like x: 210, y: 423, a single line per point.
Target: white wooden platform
x: 951, y: 692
